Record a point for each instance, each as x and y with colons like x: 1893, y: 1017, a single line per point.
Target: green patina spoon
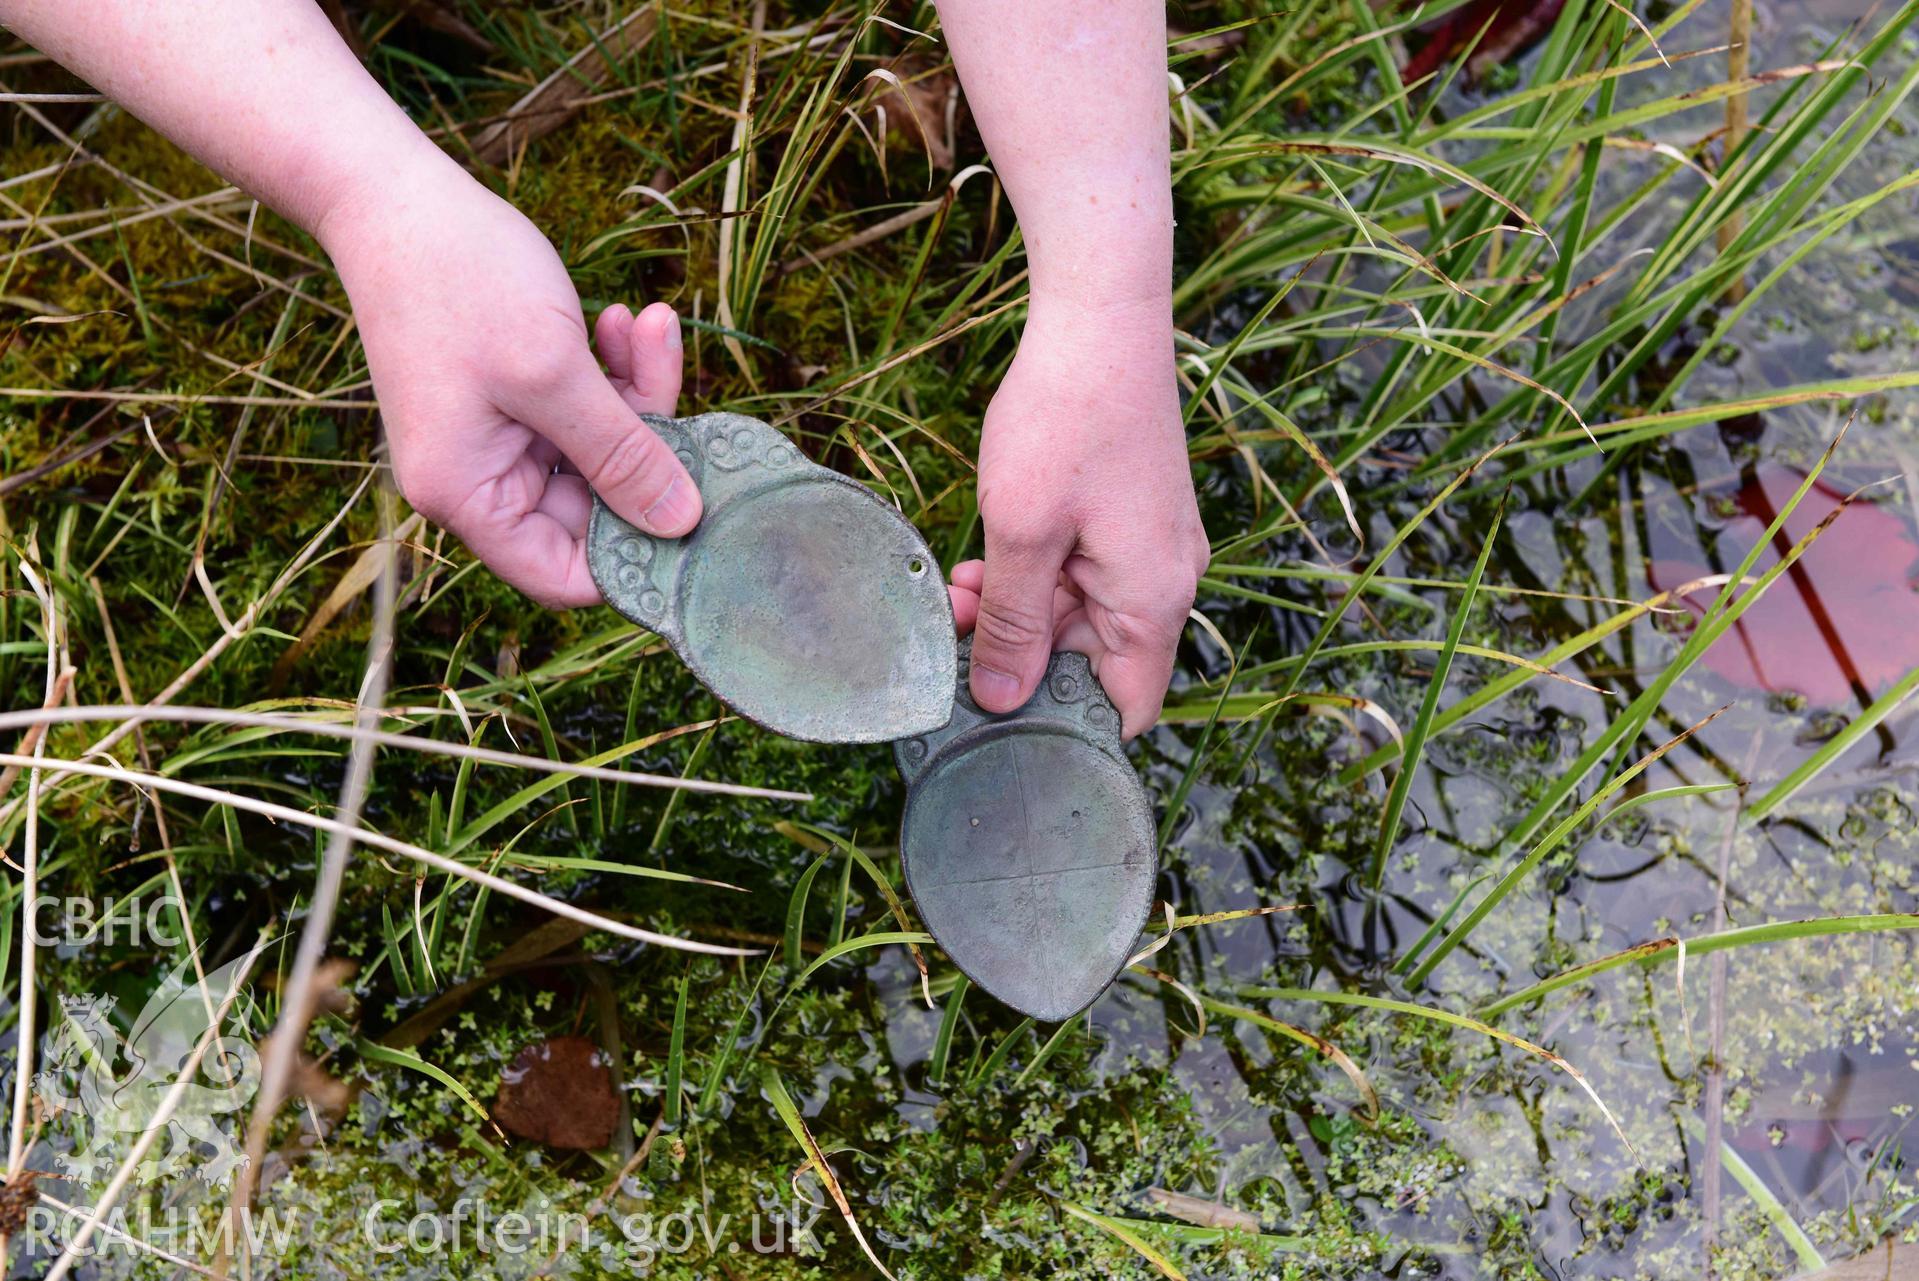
x: 1028, y: 842
x: 802, y: 599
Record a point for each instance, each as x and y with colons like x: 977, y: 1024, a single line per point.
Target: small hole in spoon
x: 915, y: 566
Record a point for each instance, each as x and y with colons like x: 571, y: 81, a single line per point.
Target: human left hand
x: 496, y: 413
x: 1093, y: 535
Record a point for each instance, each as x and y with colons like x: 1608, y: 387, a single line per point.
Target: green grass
x: 1453, y: 361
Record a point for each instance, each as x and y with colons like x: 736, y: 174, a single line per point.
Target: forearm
x: 1070, y: 96
x: 470, y: 324
x: 262, y: 91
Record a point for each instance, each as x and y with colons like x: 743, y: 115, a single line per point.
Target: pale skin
x: 499, y: 418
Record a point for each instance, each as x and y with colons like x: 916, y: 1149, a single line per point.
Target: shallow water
x: 1511, y: 1167
x: 1488, y: 1162
x: 1818, y: 1040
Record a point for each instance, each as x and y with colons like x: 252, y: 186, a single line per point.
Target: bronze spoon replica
x: 1029, y: 843
x: 802, y: 599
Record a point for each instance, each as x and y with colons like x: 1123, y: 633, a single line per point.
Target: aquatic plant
x: 1453, y: 825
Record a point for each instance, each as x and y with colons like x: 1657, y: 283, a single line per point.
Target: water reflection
x: 1815, y: 1042
x: 1844, y: 623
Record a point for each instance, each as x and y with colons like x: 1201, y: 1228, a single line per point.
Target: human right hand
x: 1093, y: 534
x: 497, y: 415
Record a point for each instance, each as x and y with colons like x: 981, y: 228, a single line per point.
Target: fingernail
x: 996, y: 688
x: 673, y: 332
x: 675, y: 511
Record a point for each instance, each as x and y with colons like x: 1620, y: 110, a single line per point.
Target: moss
x: 1485, y: 1161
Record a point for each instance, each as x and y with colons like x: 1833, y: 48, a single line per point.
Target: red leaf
x: 1842, y: 623
x: 559, y: 1092
x: 1517, y: 25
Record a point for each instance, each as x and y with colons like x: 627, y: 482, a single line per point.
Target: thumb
x: 626, y: 464
x: 1013, y: 636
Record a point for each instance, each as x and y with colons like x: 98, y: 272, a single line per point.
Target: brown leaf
x: 1887, y: 1261
x: 353, y: 584
x: 560, y: 1093
x: 329, y: 994
x: 1206, y: 1214
x: 18, y: 1196
x: 506, y: 663
x: 921, y: 109
x: 552, y: 102
x: 328, y: 1094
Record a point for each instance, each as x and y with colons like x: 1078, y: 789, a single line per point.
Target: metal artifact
x: 1028, y: 841
x: 802, y: 599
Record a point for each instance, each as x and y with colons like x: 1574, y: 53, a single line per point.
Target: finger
x: 1013, y: 634
x: 627, y: 465
x: 530, y: 535
x: 965, y: 597
x: 1065, y: 601
x: 1131, y: 657
x: 569, y: 501
x: 970, y: 574
x: 612, y: 335
x: 965, y: 608
x: 1075, y: 632
x: 967, y: 578
x: 655, y: 357
x: 542, y: 558
x: 1136, y: 681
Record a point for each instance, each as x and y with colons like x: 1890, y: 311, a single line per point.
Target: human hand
x: 1093, y: 536
x: 497, y: 415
